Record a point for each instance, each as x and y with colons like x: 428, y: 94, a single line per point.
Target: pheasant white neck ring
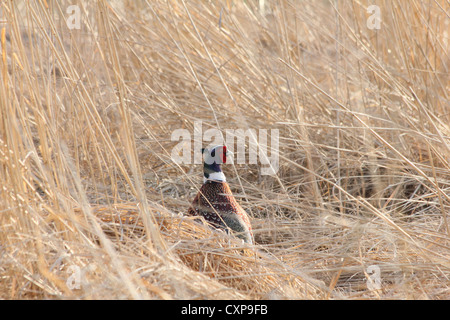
x: 215, y: 176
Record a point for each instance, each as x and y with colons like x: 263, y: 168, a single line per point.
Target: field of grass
x: 92, y: 203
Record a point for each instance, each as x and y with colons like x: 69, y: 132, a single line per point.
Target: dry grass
x: 88, y: 184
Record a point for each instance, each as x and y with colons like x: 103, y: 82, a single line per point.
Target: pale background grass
x: 87, y: 180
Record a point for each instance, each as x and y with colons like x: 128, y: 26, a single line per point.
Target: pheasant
x: 215, y: 201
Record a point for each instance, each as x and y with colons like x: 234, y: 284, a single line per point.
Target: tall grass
x: 91, y: 203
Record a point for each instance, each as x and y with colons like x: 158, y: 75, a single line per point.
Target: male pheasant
x: 215, y: 201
